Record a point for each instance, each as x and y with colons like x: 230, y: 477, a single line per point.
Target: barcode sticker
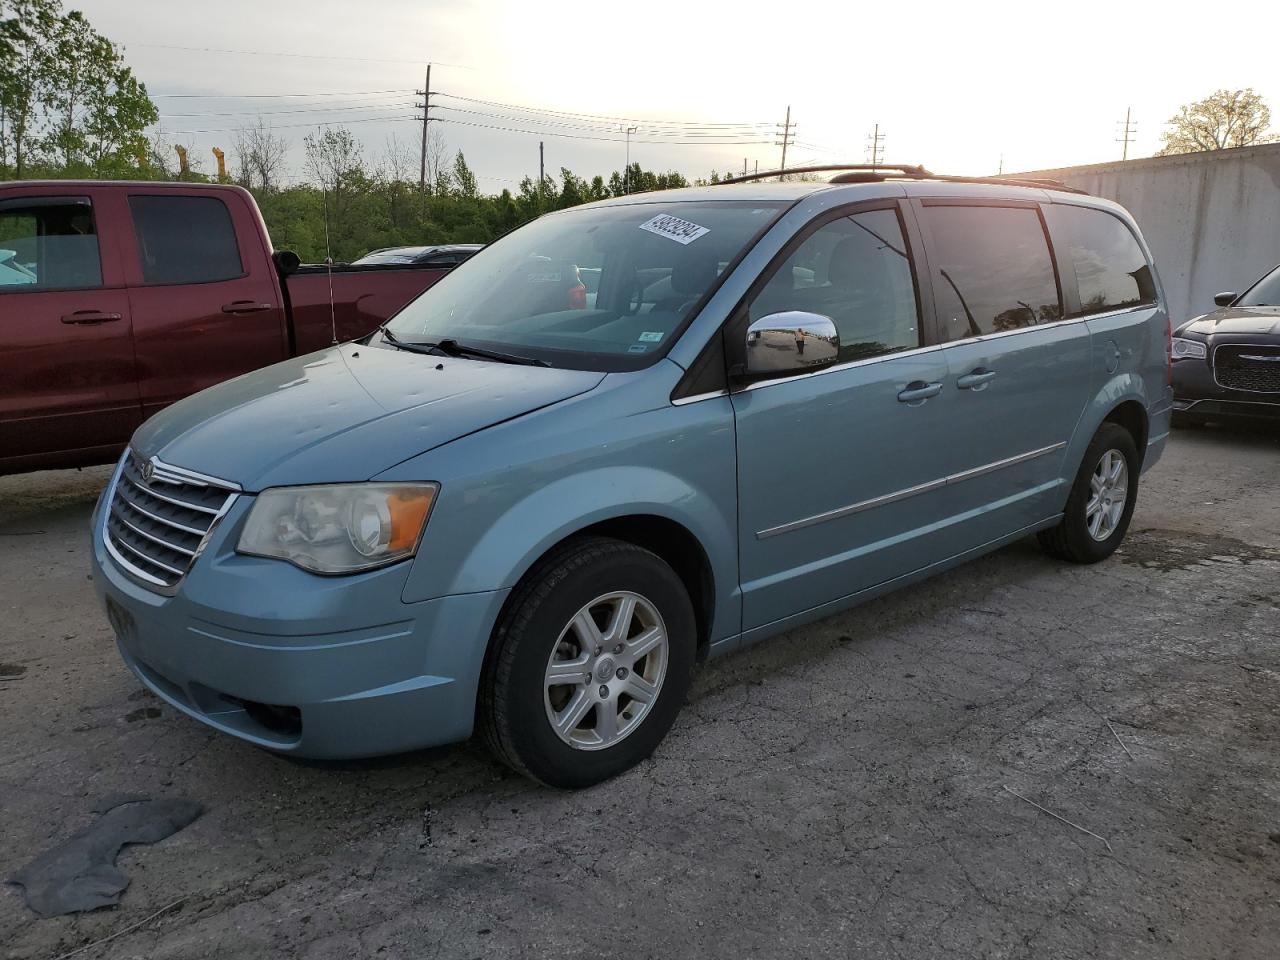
x: 673, y: 228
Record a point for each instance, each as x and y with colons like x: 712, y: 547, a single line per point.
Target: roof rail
x: 909, y: 169
x: 872, y: 173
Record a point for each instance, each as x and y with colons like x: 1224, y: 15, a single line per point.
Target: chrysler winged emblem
x: 148, y: 471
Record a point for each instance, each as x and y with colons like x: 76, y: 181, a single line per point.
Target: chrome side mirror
x: 1225, y: 299
x: 791, y: 341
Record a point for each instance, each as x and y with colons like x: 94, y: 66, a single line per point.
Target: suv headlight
x: 1187, y: 349
x: 340, y: 528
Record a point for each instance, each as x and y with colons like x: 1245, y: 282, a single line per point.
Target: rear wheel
x: 590, y: 664
x: 1101, y: 501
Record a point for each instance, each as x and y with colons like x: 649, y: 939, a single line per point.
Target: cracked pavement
x: 841, y: 791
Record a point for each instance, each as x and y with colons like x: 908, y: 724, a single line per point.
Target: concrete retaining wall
x: 1212, y: 220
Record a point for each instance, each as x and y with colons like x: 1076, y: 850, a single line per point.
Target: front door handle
x: 917, y: 391
x: 89, y: 318
x: 976, y: 380
x: 246, y: 306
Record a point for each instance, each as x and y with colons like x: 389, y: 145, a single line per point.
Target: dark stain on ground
x: 12, y: 670
x: 1167, y: 550
x: 142, y: 713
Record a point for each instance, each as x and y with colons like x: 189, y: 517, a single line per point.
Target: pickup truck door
x: 68, y: 389
x: 203, y: 290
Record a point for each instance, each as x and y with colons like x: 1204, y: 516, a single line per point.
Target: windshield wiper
x: 452, y: 348
x: 455, y: 349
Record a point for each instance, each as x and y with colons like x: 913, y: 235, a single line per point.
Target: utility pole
x: 1129, y: 130
x: 426, y: 95
x: 876, y: 140
x: 787, y: 129
x: 626, y: 170
x: 542, y: 174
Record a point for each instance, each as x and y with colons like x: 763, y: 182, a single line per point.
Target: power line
x: 270, y: 96
x: 572, y: 136
x: 289, y: 126
x: 302, y: 56
x: 598, y: 128
x: 598, y: 116
x: 275, y: 113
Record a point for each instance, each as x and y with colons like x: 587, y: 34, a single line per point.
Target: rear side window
x: 1111, y: 270
x: 185, y: 239
x: 48, y: 244
x: 992, y: 270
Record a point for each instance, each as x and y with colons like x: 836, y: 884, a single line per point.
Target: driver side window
x: 855, y: 270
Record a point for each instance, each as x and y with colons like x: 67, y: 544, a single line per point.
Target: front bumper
x: 1197, y: 394
x: 307, y: 665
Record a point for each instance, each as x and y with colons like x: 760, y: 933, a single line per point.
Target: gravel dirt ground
x: 842, y: 791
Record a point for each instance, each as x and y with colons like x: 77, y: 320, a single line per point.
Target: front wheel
x: 1101, y: 501
x: 590, y: 664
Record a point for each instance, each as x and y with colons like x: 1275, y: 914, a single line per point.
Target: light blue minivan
x: 628, y: 437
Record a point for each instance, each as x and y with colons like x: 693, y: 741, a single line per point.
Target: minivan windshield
x: 601, y: 288
x: 1264, y: 293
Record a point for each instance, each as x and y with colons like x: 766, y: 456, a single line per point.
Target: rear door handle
x: 976, y: 380
x: 246, y: 306
x: 89, y: 318
x: 917, y: 391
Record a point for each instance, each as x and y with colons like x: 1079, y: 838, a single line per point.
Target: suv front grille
x: 1245, y: 367
x: 158, y: 518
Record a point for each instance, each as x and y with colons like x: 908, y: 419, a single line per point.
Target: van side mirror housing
x: 793, y: 341
x: 1225, y: 299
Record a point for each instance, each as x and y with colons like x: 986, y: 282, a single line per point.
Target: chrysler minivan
x: 629, y: 437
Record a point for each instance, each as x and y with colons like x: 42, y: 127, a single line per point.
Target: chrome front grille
x: 1250, y: 368
x: 158, y: 518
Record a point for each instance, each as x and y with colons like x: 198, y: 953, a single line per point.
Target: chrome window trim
x: 906, y: 492
x: 710, y: 395
x: 847, y: 365
x: 981, y: 338
x: 132, y: 570
x: 1213, y: 365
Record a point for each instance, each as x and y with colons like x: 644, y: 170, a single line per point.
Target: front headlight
x: 1187, y: 349
x: 340, y: 528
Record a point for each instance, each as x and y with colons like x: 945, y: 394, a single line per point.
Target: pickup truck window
x: 48, y: 244
x: 185, y: 239
x: 604, y: 288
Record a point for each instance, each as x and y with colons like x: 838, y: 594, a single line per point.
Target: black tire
x: 512, y: 711
x: 1070, y: 539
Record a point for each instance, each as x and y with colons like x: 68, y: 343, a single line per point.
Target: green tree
x: 26, y: 31
x: 464, y: 181
x: 1225, y: 118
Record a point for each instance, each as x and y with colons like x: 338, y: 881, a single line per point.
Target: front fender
x: 516, y: 540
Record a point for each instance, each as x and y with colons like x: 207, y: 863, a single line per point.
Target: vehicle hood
x: 345, y: 414
x: 1254, y: 321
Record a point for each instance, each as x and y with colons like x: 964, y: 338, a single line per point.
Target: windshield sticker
x: 637, y: 348
x: 673, y: 228
x: 650, y: 336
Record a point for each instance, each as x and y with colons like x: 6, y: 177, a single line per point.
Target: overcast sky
x: 952, y: 85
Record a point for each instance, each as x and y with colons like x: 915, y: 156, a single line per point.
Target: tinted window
x: 992, y: 270
x: 48, y: 245
x: 185, y: 239
x: 856, y: 271
x: 1111, y: 270
x: 1264, y: 293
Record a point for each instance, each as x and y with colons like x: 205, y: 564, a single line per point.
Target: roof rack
x: 875, y: 173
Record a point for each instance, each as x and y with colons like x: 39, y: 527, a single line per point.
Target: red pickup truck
x: 116, y: 299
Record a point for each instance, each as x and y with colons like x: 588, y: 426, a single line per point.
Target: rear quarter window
x: 185, y: 239
x: 1112, y: 272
